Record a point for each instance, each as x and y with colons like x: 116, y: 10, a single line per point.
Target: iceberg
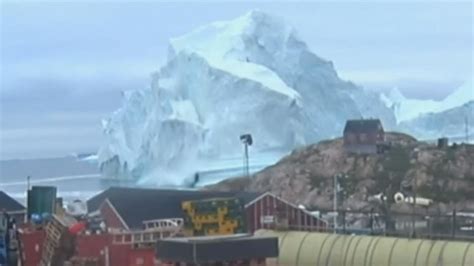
x: 251, y: 75
x: 406, y: 109
x: 452, y: 117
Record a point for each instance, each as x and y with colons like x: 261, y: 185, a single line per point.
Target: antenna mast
x: 466, y: 120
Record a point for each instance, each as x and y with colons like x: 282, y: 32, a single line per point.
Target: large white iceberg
x: 248, y: 75
x: 451, y: 117
x: 408, y: 109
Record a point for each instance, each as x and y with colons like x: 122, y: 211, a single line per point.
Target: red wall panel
x: 32, y: 243
x: 97, y: 246
x: 111, y: 218
x: 270, y: 205
x: 142, y: 257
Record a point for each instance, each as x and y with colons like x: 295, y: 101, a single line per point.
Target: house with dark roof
x: 133, y: 206
x: 130, y: 208
x: 12, y: 207
x: 363, y: 136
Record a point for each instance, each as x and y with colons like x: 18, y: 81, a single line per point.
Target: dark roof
x: 224, y: 248
x: 363, y: 126
x: 136, y: 205
x: 9, y: 204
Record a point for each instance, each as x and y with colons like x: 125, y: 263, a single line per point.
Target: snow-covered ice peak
x: 247, y: 75
x: 226, y: 39
x: 226, y: 45
x: 407, y: 109
x: 463, y: 94
x: 396, y: 95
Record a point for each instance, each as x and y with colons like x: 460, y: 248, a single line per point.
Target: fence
x: 432, y: 226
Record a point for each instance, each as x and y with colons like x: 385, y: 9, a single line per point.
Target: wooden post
x: 453, y: 225
x: 106, y: 256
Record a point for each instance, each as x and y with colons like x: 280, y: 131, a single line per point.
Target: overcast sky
x: 63, y: 64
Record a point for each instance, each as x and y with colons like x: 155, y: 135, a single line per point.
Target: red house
x: 129, y: 213
x: 363, y: 136
x: 132, y: 209
x: 268, y: 211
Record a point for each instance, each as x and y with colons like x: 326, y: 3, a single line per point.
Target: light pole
x: 416, y: 150
x: 338, y: 188
x: 335, y: 201
x: 247, y: 141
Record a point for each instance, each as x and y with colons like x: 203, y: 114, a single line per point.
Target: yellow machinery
x: 221, y: 216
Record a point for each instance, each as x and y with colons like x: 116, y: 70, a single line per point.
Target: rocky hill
x: 445, y: 175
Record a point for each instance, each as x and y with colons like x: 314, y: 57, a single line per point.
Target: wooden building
x: 12, y: 207
x: 271, y: 212
x: 132, y: 209
x: 136, y: 219
x: 364, y: 136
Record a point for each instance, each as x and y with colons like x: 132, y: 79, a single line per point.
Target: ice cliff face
x: 407, y: 109
x: 249, y: 75
x: 451, y: 123
x: 429, y: 119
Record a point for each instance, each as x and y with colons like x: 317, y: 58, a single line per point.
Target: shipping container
x: 41, y: 199
x: 31, y: 243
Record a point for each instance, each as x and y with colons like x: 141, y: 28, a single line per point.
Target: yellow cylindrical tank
x: 307, y: 248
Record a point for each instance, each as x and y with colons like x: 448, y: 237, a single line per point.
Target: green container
x: 41, y: 199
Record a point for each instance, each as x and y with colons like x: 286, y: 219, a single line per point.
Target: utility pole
x: 246, y: 159
x: 466, y: 122
x: 335, y: 203
x: 27, y: 190
x: 414, y: 188
x: 414, y: 207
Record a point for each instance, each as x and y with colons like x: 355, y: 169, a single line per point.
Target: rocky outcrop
x: 445, y: 175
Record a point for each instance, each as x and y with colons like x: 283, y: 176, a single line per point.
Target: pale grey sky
x: 63, y: 64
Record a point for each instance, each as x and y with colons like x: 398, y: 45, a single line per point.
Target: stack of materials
x: 214, y: 217
x: 58, y: 245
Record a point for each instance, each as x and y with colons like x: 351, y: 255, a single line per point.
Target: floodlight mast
x: 247, y: 141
